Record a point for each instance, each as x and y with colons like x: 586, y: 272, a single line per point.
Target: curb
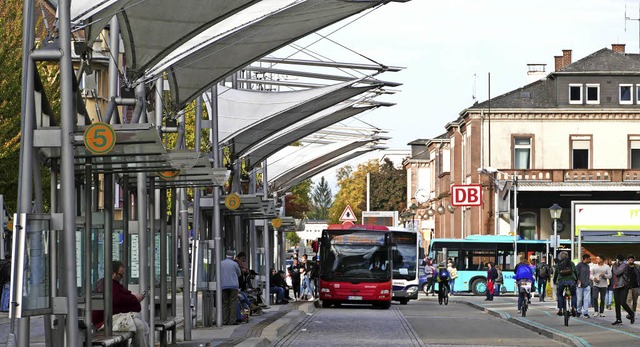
x: 286, y: 324
x: 528, y: 324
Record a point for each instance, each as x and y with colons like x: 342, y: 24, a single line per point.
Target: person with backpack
x: 497, y: 287
x: 542, y: 276
x: 453, y: 274
x: 565, y: 274
x: 442, y: 277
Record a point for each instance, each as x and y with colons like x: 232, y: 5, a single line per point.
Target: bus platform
x: 275, y: 322
x: 541, y: 318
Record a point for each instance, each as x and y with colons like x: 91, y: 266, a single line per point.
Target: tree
x: 388, y: 189
x: 320, y: 200
x: 297, y: 203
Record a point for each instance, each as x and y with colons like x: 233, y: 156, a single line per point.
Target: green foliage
x: 320, y: 200
x: 293, y: 238
x: 388, y: 189
x: 11, y: 98
x: 297, y: 204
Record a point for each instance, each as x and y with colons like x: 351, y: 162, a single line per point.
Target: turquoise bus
x: 470, y: 256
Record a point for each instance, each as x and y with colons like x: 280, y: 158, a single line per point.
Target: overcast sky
x: 449, y: 47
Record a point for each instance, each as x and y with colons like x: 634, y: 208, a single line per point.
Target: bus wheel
x: 326, y: 303
x: 479, y: 286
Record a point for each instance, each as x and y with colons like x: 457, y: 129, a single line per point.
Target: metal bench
x: 168, y: 325
x: 118, y: 338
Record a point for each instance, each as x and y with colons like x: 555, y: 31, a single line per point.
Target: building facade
x: 572, y: 135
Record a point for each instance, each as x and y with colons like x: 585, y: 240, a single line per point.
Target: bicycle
x: 443, y: 294
x: 525, y: 293
x: 567, y: 304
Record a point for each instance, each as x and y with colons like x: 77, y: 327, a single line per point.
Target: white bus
x: 406, y: 255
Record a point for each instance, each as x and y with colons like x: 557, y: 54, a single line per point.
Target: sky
x: 449, y: 48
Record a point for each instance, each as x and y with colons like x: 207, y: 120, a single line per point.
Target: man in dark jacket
x: 634, y: 283
x: 492, y: 275
x: 565, y: 274
x: 621, y: 289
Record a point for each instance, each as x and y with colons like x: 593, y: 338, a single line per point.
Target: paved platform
x: 542, y: 318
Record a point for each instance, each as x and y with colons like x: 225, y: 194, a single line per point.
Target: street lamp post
x: 555, y: 211
x: 413, y: 208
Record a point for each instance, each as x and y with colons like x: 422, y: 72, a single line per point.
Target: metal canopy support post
x: 88, y: 209
x: 515, y: 212
x: 265, y: 237
x: 215, y: 152
x: 108, y: 252
x: 253, y: 237
x: 184, y: 244
x: 197, y: 230
x: 67, y: 170
x: 152, y: 261
x: 143, y: 241
x: 163, y: 255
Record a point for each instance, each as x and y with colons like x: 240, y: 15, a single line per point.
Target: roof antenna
x: 474, y: 99
x: 626, y: 18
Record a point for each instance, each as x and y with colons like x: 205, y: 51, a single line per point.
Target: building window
x: 580, y: 151
x: 528, y: 226
x: 638, y: 93
x: 593, y: 93
x: 634, y: 152
x: 575, y: 93
x: 522, y: 153
x: 626, y: 93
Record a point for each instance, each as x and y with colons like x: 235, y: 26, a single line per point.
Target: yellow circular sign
x: 168, y: 175
x: 276, y: 222
x: 232, y: 201
x: 99, y: 138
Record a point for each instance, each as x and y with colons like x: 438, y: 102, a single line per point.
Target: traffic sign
x: 99, y: 138
x: 348, y: 215
x: 276, y: 223
x: 232, y: 201
x: 466, y: 195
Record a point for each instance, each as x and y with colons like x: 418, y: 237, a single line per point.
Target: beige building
x: 571, y: 135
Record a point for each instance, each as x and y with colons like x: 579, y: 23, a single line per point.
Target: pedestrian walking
x: 601, y: 273
x: 429, y: 271
x: 621, y: 289
x: 543, y: 271
x: 497, y: 288
x: 453, y: 274
x: 583, y: 289
x: 492, y: 275
x: 634, y: 282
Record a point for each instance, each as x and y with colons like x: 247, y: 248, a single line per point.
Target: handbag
x: 124, y: 322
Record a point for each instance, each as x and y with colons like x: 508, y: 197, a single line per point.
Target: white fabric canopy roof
x: 245, y: 118
x: 223, y: 49
x: 321, y: 120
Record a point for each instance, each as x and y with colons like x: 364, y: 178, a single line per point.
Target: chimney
x: 618, y: 47
x: 558, y: 62
x: 566, y: 57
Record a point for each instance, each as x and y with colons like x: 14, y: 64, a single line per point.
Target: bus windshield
x: 356, y: 255
x: 405, y: 255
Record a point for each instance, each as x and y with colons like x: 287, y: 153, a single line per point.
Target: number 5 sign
x: 466, y: 195
x: 99, y: 138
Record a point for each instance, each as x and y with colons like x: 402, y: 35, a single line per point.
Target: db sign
x: 466, y: 195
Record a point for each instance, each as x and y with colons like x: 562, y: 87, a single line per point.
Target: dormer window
x: 593, y: 94
x: 575, y: 94
x: 626, y: 94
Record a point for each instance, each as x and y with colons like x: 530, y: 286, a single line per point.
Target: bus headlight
x: 412, y: 290
x: 384, y: 291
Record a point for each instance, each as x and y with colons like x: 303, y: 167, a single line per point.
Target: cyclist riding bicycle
x: 442, y: 277
x: 525, y: 279
x: 565, y: 274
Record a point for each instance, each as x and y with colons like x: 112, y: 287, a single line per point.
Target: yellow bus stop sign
x: 276, y: 223
x: 99, y: 138
x: 232, y: 201
x: 168, y: 175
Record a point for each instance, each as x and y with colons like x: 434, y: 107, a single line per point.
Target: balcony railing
x: 577, y: 175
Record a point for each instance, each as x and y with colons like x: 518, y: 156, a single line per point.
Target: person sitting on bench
x: 123, y: 301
